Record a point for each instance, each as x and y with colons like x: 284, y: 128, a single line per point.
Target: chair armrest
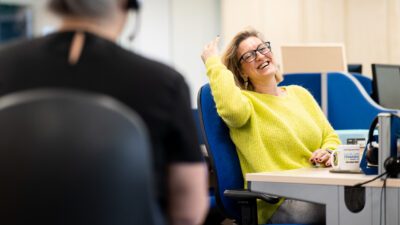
x: 246, y: 200
x: 244, y: 194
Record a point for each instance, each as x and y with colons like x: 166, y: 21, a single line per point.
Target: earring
x: 246, y: 82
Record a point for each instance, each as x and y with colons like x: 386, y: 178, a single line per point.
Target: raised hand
x: 211, y: 49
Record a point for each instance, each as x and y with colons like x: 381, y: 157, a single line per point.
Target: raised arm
x: 233, y: 107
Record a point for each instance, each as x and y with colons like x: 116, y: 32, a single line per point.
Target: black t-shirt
x: 156, y: 92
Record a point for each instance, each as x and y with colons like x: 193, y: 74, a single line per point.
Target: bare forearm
x: 188, y: 198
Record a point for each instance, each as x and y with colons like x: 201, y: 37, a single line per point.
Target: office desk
x: 320, y: 186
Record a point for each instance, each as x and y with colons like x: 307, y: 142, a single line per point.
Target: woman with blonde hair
x: 273, y: 128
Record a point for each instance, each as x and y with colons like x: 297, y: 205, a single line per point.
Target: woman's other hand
x: 321, y: 156
x: 211, y: 49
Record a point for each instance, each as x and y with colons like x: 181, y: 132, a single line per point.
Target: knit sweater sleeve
x: 233, y: 107
x: 330, y: 140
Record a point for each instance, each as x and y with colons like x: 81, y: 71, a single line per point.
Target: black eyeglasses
x: 250, y: 56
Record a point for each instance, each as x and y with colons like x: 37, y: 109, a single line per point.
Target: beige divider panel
x: 313, y: 58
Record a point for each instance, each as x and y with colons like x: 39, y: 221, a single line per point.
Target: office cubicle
x: 314, y: 58
x: 343, y: 99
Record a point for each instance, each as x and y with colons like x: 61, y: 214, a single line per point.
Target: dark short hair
x: 82, y: 8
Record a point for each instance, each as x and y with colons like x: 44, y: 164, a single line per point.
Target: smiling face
x: 263, y: 67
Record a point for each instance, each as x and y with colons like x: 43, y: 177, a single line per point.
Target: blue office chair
x: 232, y: 199
x: 310, y: 81
x: 70, y: 157
x: 201, y: 142
x: 214, y: 216
x: 349, y: 105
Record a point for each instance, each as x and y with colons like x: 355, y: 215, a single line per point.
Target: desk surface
x: 319, y: 176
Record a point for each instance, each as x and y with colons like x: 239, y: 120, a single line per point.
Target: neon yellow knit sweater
x: 271, y: 133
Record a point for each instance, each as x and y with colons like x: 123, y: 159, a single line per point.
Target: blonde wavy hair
x: 231, y: 61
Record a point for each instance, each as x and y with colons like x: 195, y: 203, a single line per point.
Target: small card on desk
x: 344, y: 171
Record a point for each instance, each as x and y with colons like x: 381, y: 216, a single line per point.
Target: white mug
x: 346, y: 157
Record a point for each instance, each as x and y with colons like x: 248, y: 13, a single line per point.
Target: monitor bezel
x: 375, y: 95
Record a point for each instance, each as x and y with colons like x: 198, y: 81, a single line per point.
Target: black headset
x: 372, y: 149
x: 391, y: 164
x: 133, y: 4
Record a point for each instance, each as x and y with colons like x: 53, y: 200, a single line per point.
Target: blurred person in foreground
x: 273, y: 128
x: 84, y: 55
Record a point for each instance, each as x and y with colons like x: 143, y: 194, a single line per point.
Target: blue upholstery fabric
x: 310, y: 81
x: 213, y: 203
x: 365, y: 81
x: 201, y: 142
x: 222, y: 153
x: 349, y: 105
x: 349, y: 102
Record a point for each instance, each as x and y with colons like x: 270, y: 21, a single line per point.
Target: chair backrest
x: 349, y: 105
x: 70, y: 157
x: 222, y: 153
x: 310, y: 81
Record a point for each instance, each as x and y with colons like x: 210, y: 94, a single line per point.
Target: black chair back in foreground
x: 73, y: 158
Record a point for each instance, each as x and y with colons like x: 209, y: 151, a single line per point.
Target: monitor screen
x: 386, y: 85
x: 354, y: 68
